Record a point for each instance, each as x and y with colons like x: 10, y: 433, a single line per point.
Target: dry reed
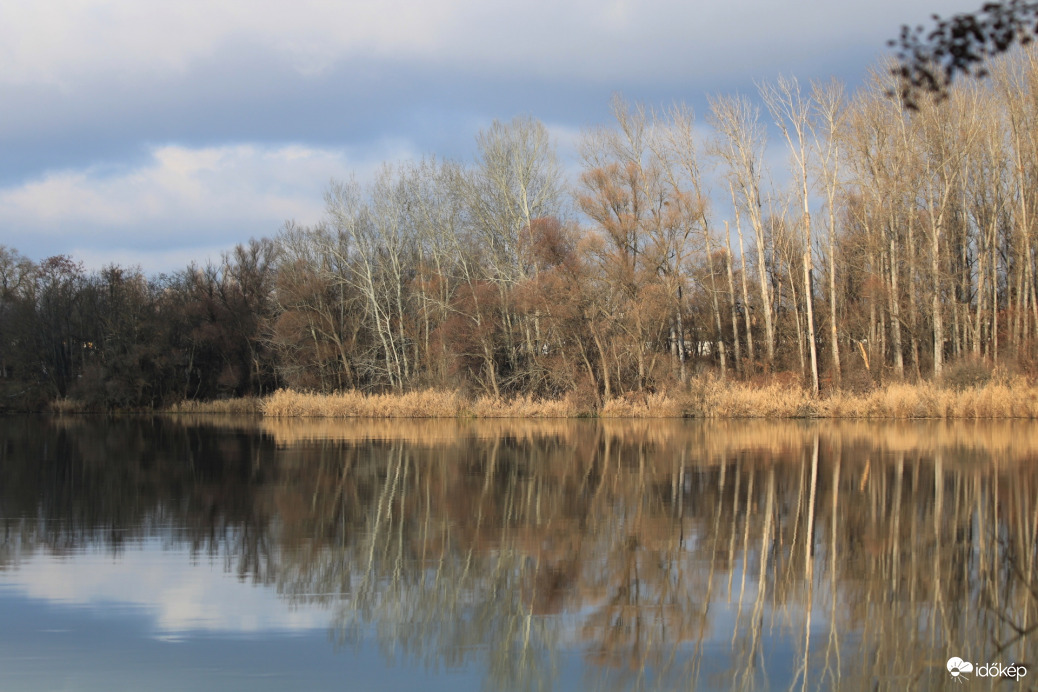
x: 66, y: 405
x: 1015, y: 399
x: 523, y: 407
x: 707, y: 398
x: 656, y: 405
x: 352, y: 404
x: 240, y: 406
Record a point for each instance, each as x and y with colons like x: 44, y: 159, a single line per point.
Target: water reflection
x: 657, y: 554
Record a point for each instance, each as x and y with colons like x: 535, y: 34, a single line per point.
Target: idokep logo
x: 959, y: 670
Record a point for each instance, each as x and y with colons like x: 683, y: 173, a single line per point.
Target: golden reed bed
x: 711, y: 399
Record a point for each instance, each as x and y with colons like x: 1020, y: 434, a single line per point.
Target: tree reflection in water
x: 670, y: 554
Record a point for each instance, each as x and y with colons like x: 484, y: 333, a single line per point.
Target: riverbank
x: 705, y: 399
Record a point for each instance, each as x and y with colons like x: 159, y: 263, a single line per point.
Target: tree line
x: 901, y: 242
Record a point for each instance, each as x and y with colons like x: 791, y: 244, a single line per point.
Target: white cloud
x: 181, y: 203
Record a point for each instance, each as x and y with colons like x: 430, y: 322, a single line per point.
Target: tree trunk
x: 745, y: 291
x: 938, y: 317
x: 895, y: 308
x: 731, y: 299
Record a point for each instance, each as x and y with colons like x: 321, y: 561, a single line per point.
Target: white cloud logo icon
x: 957, y: 667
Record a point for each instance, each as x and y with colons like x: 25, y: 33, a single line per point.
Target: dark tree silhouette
x: 928, y: 60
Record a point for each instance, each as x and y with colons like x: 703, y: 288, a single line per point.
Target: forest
x: 897, y: 246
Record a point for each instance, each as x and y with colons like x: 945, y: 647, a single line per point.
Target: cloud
x: 180, y: 199
x: 73, y: 71
x: 140, y: 130
x: 60, y: 41
x: 179, y: 593
x: 64, y: 40
x: 82, y: 79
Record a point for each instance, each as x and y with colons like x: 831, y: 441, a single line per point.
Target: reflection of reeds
x: 424, y: 432
x: 700, y: 442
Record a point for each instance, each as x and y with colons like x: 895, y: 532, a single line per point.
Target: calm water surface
x: 237, y: 554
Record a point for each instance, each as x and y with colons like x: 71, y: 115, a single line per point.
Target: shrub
x: 967, y: 373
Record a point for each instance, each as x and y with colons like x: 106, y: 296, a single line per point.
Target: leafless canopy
x: 928, y: 59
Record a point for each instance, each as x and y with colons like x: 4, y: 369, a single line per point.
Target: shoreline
x: 709, y: 399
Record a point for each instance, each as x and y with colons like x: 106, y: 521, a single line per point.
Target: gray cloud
x: 92, y: 94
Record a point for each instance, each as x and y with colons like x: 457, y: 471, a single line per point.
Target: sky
x: 160, y: 133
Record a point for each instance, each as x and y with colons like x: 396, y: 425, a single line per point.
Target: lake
x: 180, y: 553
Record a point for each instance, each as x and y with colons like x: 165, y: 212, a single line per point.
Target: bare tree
x: 516, y: 180
x: 624, y: 193
x: 316, y: 328
x: 677, y: 149
x: 792, y: 113
x: 828, y: 104
x: 740, y: 147
x: 375, y: 243
x: 947, y: 136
